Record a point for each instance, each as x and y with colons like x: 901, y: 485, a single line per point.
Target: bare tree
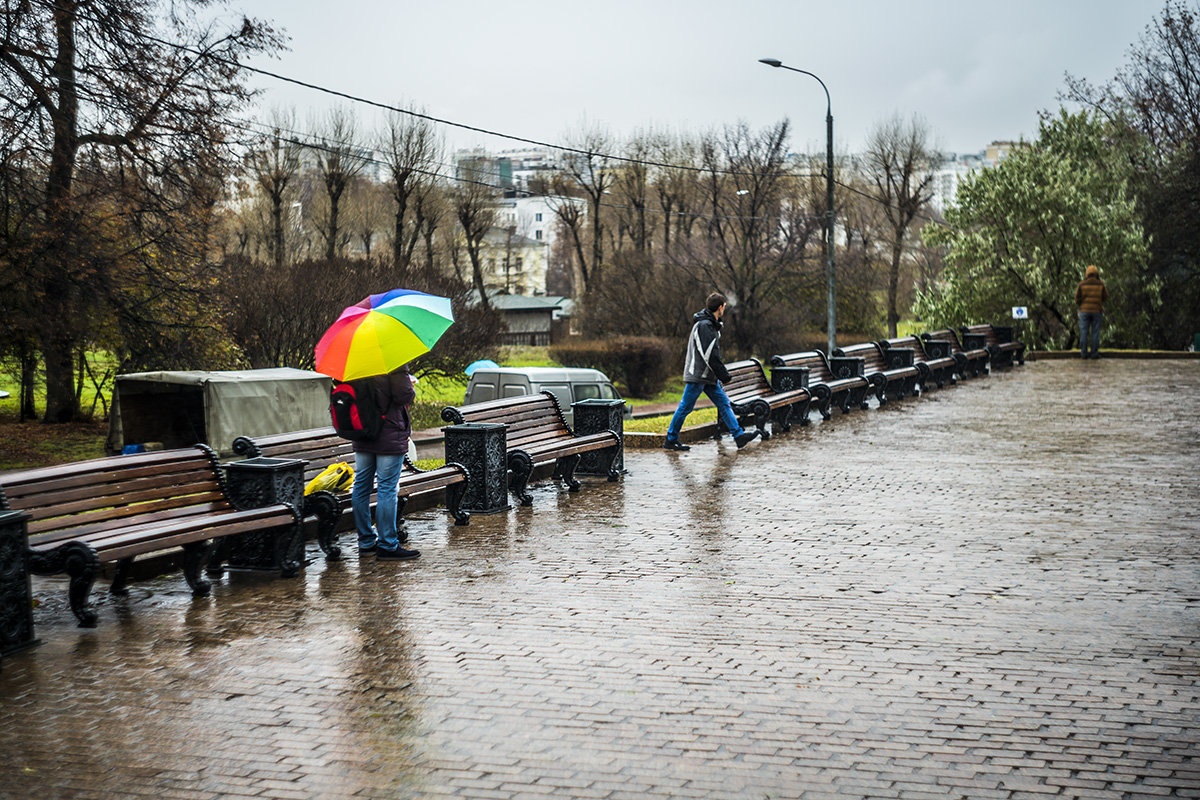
x: 340, y: 159
x: 751, y: 249
x: 674, y: 185
x: 631, y: 191
x: 430, y: 212
x: 410, y: 148
x: 475, y: 209
x: 366, y: 211
x: 275, y: 165
x: 591, y: 173
x: 900, y: 161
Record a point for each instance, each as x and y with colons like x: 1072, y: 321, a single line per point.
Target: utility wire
x: 438, y: 120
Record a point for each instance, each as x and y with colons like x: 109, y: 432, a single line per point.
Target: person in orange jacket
x: 1090, y: 297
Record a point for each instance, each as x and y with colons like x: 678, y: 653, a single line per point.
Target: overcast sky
x: 975, y: 71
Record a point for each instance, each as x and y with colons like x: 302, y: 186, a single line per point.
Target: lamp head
x: 771, y: 62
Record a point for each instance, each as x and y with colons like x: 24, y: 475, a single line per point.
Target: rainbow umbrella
x: 382, y: 332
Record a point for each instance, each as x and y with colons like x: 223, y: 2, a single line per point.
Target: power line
x: 439, y: 120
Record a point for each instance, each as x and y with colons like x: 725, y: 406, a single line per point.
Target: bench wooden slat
x: 535, y: 433
x: 114, y: 508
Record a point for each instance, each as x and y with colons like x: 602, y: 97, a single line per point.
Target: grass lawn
x: 33, y: 444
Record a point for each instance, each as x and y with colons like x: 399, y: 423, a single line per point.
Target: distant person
x: 703, y: 371
x: 1090, y: 297
x: 379, y: 461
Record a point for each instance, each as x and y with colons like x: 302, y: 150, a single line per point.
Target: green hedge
x: 641, y: 364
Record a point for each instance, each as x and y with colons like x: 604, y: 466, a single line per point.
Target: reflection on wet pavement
x: 990, y: 591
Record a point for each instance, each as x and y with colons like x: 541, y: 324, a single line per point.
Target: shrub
x: 641, y: 364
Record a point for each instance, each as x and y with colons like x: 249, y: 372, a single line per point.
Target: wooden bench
x: 321, y: 447
x: 536, y: 433
x: 998, y: 340
x: 968, y: 362
x: 87, y: 513
x: 892, y: 381
x: 827, y: 388
x: 937, y: 367
x: 752, y: 395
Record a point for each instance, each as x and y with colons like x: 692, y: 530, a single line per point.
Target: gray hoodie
x: 703, y: 364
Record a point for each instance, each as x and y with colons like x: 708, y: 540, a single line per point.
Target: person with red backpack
x: 378, y: 461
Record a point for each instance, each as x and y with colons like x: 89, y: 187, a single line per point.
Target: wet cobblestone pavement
x: 989, y: 592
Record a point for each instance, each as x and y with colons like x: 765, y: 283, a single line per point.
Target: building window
x: 537, y: 217
x: 537, y: 234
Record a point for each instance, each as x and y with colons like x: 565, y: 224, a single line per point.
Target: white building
x: 533, y: 217
x: 514, y: 264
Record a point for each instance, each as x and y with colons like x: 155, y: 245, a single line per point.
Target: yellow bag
x: 337, y: 477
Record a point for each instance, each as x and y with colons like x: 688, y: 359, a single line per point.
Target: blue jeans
x: 691, y: 393
x: 1089, y: 332
x: 366, y: 467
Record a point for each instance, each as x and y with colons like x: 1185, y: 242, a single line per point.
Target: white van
x: 567, y: 383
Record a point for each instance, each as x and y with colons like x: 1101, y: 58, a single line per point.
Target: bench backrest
x: 107, y: 493
x: 531, y: 419
x: 818, y: 366
x: 747, y: 379
x: 945, y: 335
x: 870, y: 353
x: 991, y: 337
x: 320, y: 447
x: 909, y: 342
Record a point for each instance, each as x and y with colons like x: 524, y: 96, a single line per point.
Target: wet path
x: 992, y: 591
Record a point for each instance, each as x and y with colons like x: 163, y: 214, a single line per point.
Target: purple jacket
x: 393, y: 393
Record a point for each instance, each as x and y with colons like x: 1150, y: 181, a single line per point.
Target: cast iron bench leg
x: 565, y: 467
x: 194, y: 554
x: 521, y: 466
x: 121, y: 577
x: 80, y: 562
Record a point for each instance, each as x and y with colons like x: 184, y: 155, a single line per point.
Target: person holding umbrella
x: 369, y: 344
x: 377, y: 464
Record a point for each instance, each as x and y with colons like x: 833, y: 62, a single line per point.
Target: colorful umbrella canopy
x: 382, y: 332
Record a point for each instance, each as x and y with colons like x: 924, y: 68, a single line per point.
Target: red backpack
x: 354, y: 411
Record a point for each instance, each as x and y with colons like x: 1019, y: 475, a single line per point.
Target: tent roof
x: 201, y: 377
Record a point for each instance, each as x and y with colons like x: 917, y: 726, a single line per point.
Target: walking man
x: 380, y: 460
x: 1090, y: 297
x: 703, y: 371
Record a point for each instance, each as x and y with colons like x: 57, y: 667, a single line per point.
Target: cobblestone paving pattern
x: 988, y: 592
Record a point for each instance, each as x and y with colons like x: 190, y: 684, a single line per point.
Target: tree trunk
x: 57, y: 340
x: 277, y: 231
x: 331, y: 244
x: 477, y: 275
x: 29, y: 360
x: 893, y: 316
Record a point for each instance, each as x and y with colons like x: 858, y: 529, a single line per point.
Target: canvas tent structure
x: 178, y: 409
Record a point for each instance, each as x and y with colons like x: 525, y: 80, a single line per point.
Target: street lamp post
x: 831, y: 320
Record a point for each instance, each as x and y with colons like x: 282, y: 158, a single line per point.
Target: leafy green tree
x: 1155, y: 97
x: 1022, y: 234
